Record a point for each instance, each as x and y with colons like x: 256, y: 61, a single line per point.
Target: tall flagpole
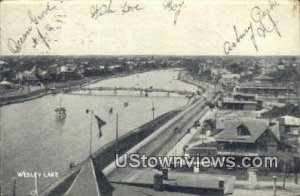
x: 91, y: 132
x: 298, y: 101
x: 117, y: 132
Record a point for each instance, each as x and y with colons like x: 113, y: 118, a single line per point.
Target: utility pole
x: 274, y: 186
x: 91, y: 132
x: 284, y: 169
x: 153, y: 109
x: 1, y: 146
x: 14, y: 186
x: 0, y: 81
x: 295, y: 170
x: 298, y: 85
x: 298, y: 100
x: 117, y: 132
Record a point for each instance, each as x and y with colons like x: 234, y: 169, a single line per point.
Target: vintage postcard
x: 149, y: 97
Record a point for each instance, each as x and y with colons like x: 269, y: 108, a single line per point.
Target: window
x: 287, y: 129
x: 242, y: 130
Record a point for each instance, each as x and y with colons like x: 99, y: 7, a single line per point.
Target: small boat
x: 61, y: 112
x: 125, y: 104
x: 111, y: 110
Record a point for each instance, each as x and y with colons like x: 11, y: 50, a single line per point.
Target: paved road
x: 163, y: 143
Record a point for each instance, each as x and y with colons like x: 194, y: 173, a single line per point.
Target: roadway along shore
x: 158, y: 143
x: 161, y: 141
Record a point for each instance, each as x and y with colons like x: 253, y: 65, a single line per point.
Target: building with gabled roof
x: 263, y: 79
x: 244, y: 137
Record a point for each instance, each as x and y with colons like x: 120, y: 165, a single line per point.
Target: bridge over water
x: 143, y: 91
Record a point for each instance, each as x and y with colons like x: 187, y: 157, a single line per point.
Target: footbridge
x: 143, y: 91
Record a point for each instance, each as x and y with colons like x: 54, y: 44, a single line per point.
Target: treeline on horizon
x: 27, y: 59
x: 235, y: 64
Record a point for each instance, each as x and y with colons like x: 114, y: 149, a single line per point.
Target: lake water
x: 34, y: 140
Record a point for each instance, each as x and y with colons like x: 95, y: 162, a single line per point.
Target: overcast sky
x: 202, y: 28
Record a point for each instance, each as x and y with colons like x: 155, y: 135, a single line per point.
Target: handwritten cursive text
x: 100, y: 10
x: 36, y: 31
x: 127, y: 7
x: 260, y: 24
x: 173, y: 6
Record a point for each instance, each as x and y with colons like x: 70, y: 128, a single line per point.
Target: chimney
x: 271, y: 122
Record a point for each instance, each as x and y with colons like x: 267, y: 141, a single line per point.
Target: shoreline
x: 74, y: 85
x: 184, y: 77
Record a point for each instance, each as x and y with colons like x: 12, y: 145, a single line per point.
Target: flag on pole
x: 100, y: 123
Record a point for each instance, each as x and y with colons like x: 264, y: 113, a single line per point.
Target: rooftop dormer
x: 242, y: 130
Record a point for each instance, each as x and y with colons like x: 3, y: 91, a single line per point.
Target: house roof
x: 256, y: 127
x: 90, y: 181
x: 230, y: 76
x: 263, y: 77
x: 5, y: 83
x: 289, y: 120
x: 244, y: 94
x: 229, y: 100
x: 219, y: 71
x: 254, y: 85
x: 84, y: 183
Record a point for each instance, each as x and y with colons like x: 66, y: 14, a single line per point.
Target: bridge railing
x: 136, y: 89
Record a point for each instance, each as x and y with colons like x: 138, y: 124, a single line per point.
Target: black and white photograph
x: 149, y: 97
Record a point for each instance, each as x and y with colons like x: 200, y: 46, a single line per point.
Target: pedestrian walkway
x: 178, y: 149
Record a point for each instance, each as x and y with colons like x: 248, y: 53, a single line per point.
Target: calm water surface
x: 35, y: 141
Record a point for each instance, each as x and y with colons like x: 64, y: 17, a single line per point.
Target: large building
x: 264, y: 90
x: 245, y: 97
x: 247, y: 137
x: 233, y: 104
x: 289, y: 125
